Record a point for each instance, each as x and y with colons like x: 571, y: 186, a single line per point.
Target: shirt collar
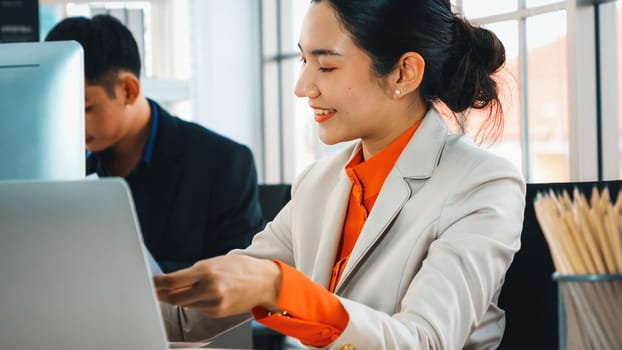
x: 147, y: 152
x: 371, y: 173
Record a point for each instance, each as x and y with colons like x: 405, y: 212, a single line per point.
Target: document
x: 184, y: 345
x: 154, y: 267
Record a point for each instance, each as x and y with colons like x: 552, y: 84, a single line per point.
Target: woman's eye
x: 326, y: 70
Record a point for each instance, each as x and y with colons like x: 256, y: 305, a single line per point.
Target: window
x: 536, y: 128
x: 164, y: 46
x: 509, y: 145
x: 290, y: 133
x: 484, y: 8
x: 547, y: 97
x: 534, y: 87
x: 618, y: 45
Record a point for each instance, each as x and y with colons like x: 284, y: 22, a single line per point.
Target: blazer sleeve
x: 478, y: 233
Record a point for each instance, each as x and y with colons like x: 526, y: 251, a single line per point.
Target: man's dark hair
x: 109, y: 47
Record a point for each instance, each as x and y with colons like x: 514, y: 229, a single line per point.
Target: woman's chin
x: 330, y: 139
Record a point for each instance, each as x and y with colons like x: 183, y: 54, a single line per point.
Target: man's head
x: 111, y: 71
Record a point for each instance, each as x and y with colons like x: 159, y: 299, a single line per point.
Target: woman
x: 402, y: 240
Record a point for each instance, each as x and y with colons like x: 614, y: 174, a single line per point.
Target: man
x: 195, y: 191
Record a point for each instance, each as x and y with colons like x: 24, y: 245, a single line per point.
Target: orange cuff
x: 311, y: 313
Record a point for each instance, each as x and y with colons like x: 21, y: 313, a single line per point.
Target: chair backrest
x: 529, y: 294
x: 272, y: 197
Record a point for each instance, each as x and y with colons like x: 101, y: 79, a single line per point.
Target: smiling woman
x: 348, y: 100
x: 401, y: 240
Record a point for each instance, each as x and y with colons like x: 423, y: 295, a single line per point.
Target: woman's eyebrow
x: 323, y: 52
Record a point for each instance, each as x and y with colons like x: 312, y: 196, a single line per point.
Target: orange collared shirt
x: 314, y: 314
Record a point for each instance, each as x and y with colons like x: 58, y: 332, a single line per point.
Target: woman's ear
x: 130, y: 86
x: 408, y: 73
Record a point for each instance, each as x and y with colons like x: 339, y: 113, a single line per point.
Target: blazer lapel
x: 395, y: 193
x: 417, y: 162
x: 332, y: 227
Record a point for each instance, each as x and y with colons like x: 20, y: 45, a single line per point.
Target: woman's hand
x: 223, y: 286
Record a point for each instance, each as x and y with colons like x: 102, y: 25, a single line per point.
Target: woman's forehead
x: 321, y: 30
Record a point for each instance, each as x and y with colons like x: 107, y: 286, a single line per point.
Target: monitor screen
x: 42, y: 111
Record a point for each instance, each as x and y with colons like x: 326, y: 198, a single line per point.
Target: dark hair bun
x: 477, y: 54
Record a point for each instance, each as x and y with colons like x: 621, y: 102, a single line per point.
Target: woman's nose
x: 305, y: 87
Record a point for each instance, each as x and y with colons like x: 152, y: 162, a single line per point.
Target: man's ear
x: 130, y: 87
x: 408, y: 74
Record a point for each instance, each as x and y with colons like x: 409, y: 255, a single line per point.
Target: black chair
x: 529, y: 294
x: 272, y: 197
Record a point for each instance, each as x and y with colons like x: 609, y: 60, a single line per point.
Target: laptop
x: 73, y: 271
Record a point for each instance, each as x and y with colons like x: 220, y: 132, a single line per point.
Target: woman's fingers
x: 176, y: 280
x: 186, y: 296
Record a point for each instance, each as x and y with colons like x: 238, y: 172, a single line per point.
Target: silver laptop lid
x: 72, y: 270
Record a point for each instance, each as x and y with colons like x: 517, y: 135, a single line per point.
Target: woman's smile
x: 322, y: 114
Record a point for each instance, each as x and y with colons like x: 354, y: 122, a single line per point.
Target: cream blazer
x: 430, y: 261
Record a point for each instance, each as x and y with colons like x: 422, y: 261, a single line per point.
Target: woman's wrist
x: 271, y: 275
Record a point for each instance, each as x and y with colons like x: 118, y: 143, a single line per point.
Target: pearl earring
x: 397, y: 92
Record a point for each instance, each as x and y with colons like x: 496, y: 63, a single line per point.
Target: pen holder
x: 590, y: 311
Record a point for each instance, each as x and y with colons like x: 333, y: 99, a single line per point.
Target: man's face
x: 106, y: 118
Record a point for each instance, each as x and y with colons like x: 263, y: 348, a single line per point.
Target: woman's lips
x: 322, y: 114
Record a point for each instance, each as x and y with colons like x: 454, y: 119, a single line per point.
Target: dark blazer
x: 202, y: 190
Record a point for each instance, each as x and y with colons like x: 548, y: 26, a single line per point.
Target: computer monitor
x: 42, y: 111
